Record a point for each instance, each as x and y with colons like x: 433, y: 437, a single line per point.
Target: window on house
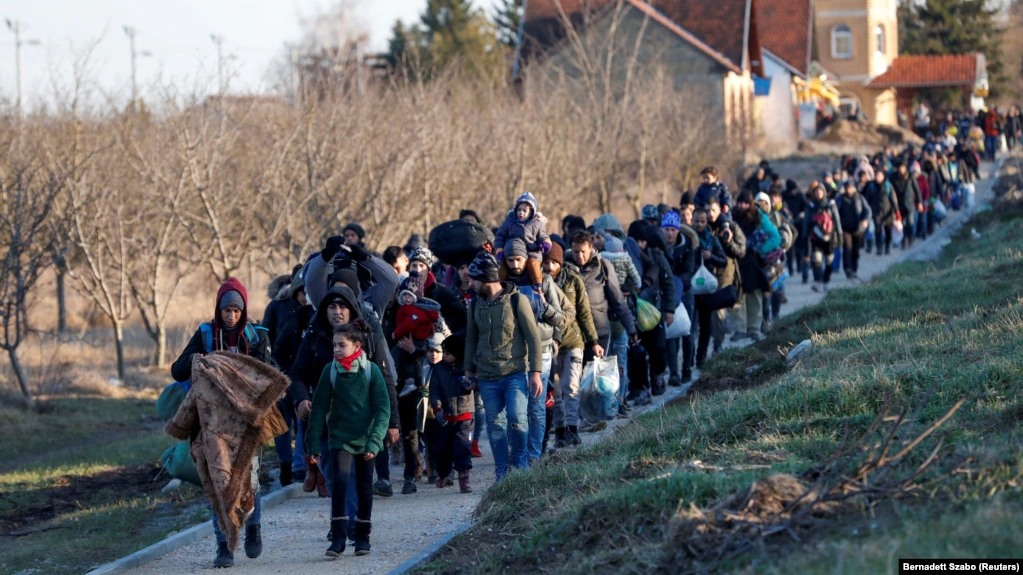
x: 841, y: 42
x: 879, y: 39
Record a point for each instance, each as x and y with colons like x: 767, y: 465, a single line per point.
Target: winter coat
x: 907, y: 193
x: 751, y: 270
x: 852, y: 212
x: 863, y: 167
x: 532, y: 231
x: 710, y: 243
x: 658, y: 281
x: 448, y: 392
x: 882, y: 202
x: 812, y: 239
x: 553, y: 317
x: 376, y: 290
x: 181, y: 369
x: 228, y: 415
x: 716, y: 190
x: 628, y: 276
x: 936, y: 186
x: 501, y: 338
x: 417, y: 320
x: 452, y: 307
x: 682, y: 257
x: 356, y: 409
x: 289, y: 337
x: 280, y: 308
x: 580, y: 331
x: 734, y: 250
x: 606, y: 300
x: 636, y: 254
x: 795, y: 201
x: 317, y: 350
x: 925, y: 191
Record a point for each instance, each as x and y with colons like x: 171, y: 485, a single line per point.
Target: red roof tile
x: 715, y: 26
x: 785, y: 30
x: 930, y: 70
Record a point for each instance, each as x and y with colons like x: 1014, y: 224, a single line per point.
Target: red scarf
x: 346, y: 362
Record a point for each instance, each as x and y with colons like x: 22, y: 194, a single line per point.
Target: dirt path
x: 294, y: 534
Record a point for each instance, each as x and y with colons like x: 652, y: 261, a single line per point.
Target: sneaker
x: 687, y: 375
x: 593, y: 427
x: 409, y: 389
x: 676, y: 381
x: 409, y: 488
x: 623, y: 411
x: 382, y: 488
x: 644, y: 399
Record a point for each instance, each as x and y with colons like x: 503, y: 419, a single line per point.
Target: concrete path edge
x: 426, y: 554
x: 186, y: 537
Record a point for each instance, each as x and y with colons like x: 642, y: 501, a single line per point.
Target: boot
x: 224, y: 556
x: 572, y: 435
x: 321, y: 486
x: 476, y: 448
x: 463, y: 482
x: 687, y: 375
x: 312, y: 475
x: 253, y: 541
x: 285, y: 477
x: 337, y: 541
x: 362, y: 529
x: 441, y: 483
x: 559, y: 438
x: 408, y: 488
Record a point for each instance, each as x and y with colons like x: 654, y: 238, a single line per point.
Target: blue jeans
x: 991, y: 146
x: 538, y: 410
x: 253, y: 519
x: 282, y: 443
x: 298, y: 454
x: 508, y: 393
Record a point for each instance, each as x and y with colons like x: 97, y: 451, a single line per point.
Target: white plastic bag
x: 898, y: 232
x: 704, y: 282
x: 598, y: 391
x: 681, y: 326
x: 939, y: 210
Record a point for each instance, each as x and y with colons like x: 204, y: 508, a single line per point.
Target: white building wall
x: 778, y: 109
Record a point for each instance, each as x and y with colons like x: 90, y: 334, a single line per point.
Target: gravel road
x: 294, y: 533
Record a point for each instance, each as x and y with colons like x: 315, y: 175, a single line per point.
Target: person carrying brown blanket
x: 228, y: 415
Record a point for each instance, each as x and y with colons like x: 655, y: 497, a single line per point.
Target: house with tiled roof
x: 786, y: 32
x: 710, y: 49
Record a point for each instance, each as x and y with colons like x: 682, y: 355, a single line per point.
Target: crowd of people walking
x: 400, y: 356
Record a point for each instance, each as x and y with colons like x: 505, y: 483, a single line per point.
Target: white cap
x: 762, y: 197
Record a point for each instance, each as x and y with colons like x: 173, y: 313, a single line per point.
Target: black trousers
x: 408, y: 411
x: 453, y: 448
x: 341, y: 465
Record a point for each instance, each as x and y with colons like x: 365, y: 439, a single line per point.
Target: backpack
x: 823, y: 225
x: 251, y: 334
x: 333, y: 374
x: 536, y: 302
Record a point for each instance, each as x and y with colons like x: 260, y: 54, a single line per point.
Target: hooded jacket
x: 317, y: 351
x: 501, y: 338
x: 448, y: 392
x: 658, y: 281
x: 379, y: 282
x: 228, y: 415
x: 734, y: 249
x: 852, y: 211
x: 280, y: 307
x: 907, y: 192
x: 812, y: 241
x: 882, y: 202
x: 181, y: 369
x: 533, y: 231
x: 682, y: 257
x: 580, y: 331
x: 716, y: 190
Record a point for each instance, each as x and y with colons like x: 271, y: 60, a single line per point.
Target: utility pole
x: 15, y: 26
x: 219, y: 41
x: 295, y: 79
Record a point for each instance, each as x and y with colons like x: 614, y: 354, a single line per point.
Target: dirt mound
x: 862, y: 133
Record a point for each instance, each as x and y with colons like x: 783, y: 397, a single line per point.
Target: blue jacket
x: 716, y: 190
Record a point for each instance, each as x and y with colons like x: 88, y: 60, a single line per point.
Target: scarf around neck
x: 347, y: 362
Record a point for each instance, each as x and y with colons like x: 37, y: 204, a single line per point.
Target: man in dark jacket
x: 230, y: 331
x: 880, y: 196
x: 854, y: 214
x: 280, y: 306
x: 907, y: 192
x: 683, y: 245
x: 711, y: 255
x: 339, y: 306
x: 606, y: 303
x: 502, y: 346
x: 822, y: 228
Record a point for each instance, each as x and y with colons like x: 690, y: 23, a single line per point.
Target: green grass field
x: 914, y: 341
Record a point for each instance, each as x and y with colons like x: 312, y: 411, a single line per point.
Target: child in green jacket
x: 351, y: 398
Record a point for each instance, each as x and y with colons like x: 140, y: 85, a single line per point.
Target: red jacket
x: 925, y: 191
x: 415, y: 320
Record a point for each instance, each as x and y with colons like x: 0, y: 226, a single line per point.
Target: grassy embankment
x: 713, y: 482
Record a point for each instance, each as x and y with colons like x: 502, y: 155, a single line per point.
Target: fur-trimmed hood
x: 276, y: 289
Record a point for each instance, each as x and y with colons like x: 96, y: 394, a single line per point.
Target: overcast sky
x: 176, y: 32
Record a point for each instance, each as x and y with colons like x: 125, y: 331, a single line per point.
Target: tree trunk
x: 19, y: 373
x: 61, y: 299
x: 119, y: 344
x: 160, y: 354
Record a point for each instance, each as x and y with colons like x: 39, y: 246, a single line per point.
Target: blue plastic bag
x: 598, y: 391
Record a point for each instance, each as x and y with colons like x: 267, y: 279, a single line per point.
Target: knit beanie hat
x: 232, y: 299
x: 650, y: 212
x: 348, y: 277
x: 610, y: 224
x: 637, y: 230
x: 613, y: 245
x: 745, y: 198
x: 671, y: 220
x: 357, y: 229
x: 484, y: 268
x: 557, y: 254
x: 515, y: 247
x: 436, y: 341
x: 423, y: 255
x: 455, y: 345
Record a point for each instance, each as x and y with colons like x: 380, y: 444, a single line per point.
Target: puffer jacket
x: 533, y: 232
x: 501, y: 337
